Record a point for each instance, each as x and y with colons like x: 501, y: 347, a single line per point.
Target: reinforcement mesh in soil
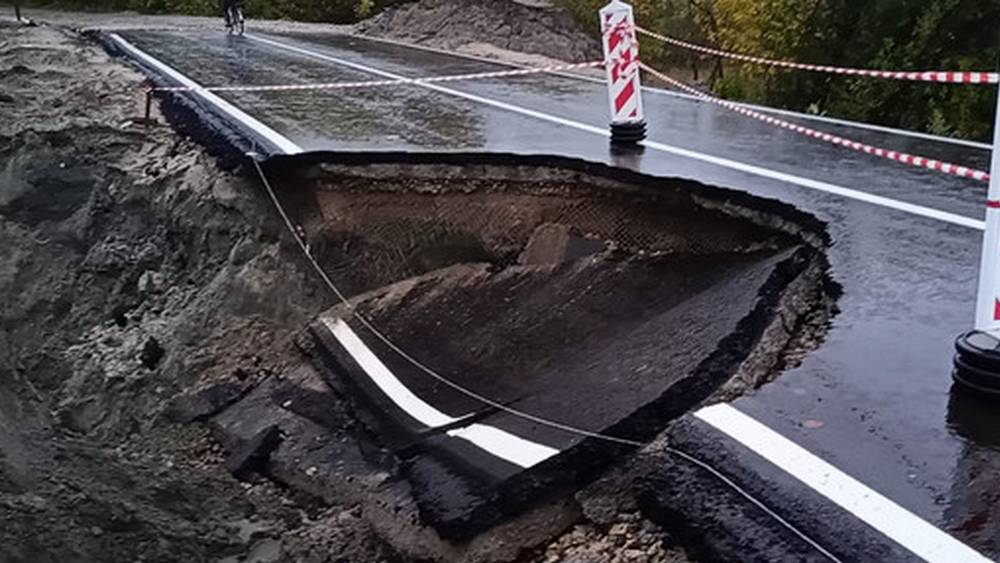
x: 371, y: 232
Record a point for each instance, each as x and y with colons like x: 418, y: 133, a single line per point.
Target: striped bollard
x: 621, y: 58
x: 977, y: 361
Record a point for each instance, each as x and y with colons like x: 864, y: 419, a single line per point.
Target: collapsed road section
x: 510, y: 328
x: 884, y: 266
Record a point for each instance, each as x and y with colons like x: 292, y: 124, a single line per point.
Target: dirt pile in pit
x: 473, y: 26
x: 132, y: 269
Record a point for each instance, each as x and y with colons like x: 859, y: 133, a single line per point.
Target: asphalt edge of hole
x: 717, y: 370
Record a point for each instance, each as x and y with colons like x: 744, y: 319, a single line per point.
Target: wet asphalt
x: 875, y: 400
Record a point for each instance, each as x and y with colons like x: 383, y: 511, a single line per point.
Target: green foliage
x: 364, y: 9
x: 333, y: 11
x: 881, y: 34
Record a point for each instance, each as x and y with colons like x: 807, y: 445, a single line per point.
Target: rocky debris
x: 630, y: 539
x: 335, y: 535
x: 205, y: 402
x: 150, y: 282
x: 151, y: 353
x: 252, y: 456
x: 554, y: 243
x: 265, y: 551
x: 505, y: 24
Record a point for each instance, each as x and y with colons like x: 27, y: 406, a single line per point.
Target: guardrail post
x: 977, y: 362
x: 621, y: 63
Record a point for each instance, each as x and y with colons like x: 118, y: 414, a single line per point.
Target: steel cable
x: 304, y: 247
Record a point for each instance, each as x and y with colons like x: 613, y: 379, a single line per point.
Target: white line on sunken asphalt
x: 500, y: 443
x: 849, y: 193
x: 882, y: 514
x: 900, y: 525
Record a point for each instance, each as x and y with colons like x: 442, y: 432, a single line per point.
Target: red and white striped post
x: 621, y: 58
x: 977, y: 363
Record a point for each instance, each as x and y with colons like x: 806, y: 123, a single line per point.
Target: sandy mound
x: 504, y: 24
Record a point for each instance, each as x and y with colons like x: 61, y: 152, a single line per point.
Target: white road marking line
x: 662, y: 91
x: 388, y: 383
x: 859, y: 125
x: 817, y: 185
x: 902, y: 526
x: 501, y: 443
x: 495, y: 441
x: 279, y: 140
x: 913, y: 209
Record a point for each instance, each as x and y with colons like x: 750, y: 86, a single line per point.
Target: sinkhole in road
x: 595, y: 299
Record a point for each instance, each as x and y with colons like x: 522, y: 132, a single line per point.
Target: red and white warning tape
x: 918, y: 161
x: 953, y: 77
x: 373, y: 83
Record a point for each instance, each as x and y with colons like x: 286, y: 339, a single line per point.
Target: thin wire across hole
x: 500, y: 406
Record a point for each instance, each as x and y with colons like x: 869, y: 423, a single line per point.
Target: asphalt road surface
x: 874, y: 402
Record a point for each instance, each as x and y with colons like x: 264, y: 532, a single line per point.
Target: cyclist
x: 227, y: 8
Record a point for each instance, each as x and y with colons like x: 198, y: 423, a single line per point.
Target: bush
x: 332, y: 11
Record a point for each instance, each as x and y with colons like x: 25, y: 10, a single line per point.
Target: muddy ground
x: 132, y: 268
x: 143, y: 290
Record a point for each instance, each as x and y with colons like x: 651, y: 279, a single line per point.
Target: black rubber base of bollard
x: 628, y: 133
x: 977, y: 363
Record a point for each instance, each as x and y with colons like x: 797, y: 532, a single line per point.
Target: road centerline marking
x: 816, y: 185
x: 895, y: 522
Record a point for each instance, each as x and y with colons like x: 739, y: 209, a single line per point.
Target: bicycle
x: 235, y: 20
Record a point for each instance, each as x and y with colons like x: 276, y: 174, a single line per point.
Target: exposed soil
x: 151, y: 335
x: 402, y: 227
x: 132, y: 268
x: 487, y: 28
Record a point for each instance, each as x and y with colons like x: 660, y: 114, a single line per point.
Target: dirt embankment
x: 501, y: 29
x: 131, y: 268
